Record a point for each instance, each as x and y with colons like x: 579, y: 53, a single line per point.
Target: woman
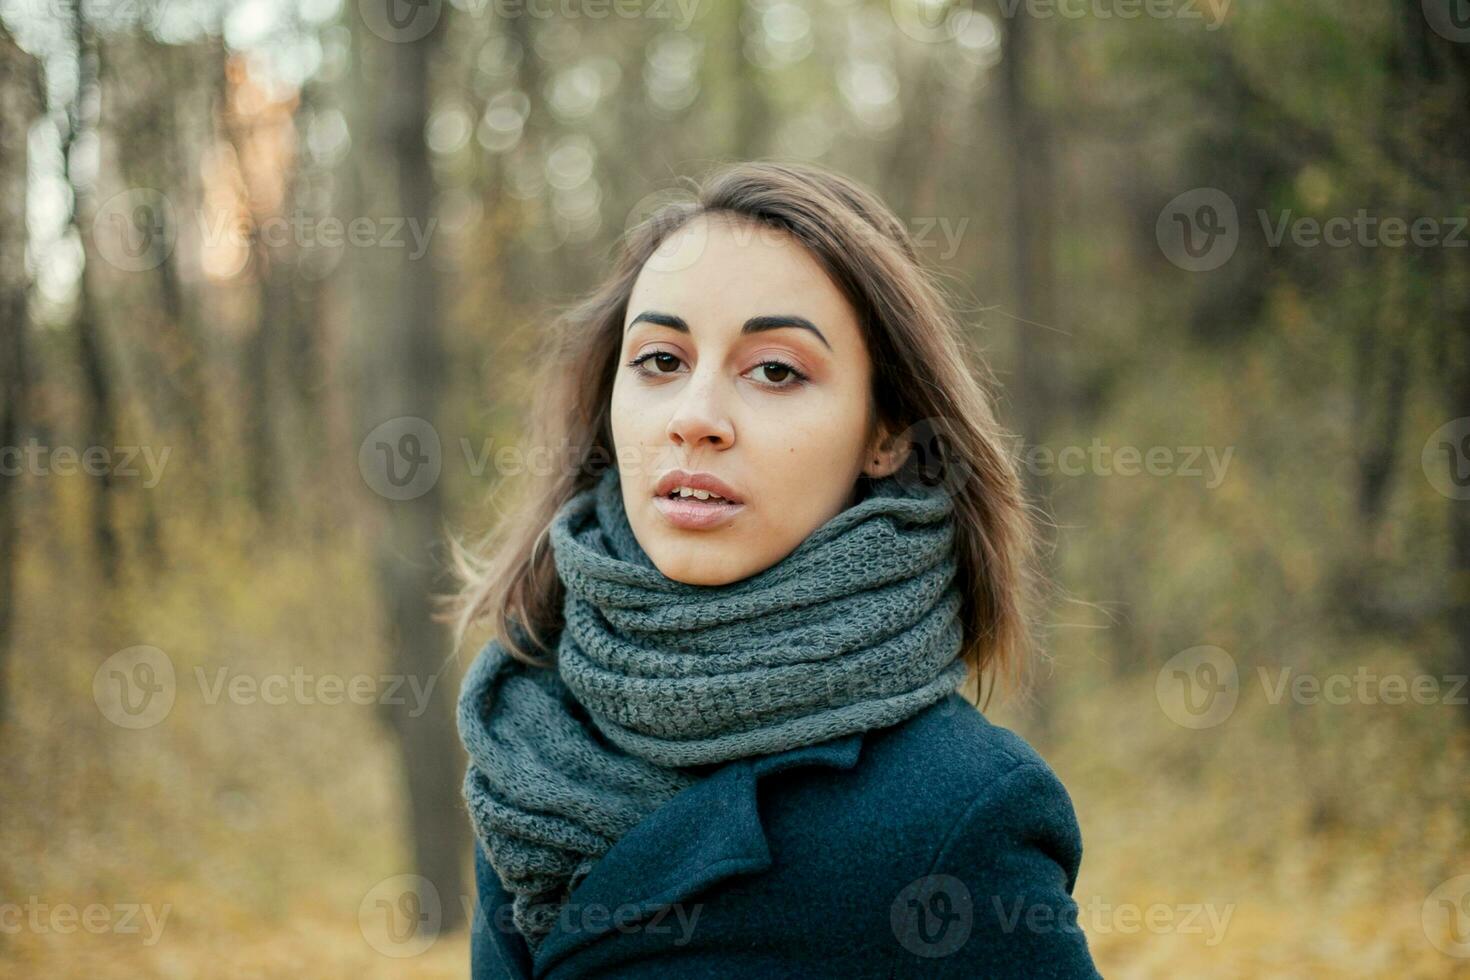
x: 719, y: 731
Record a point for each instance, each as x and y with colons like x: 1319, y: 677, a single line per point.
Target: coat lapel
x: 710, y: 831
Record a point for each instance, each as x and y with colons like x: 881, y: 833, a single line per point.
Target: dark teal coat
x: 940, y: 847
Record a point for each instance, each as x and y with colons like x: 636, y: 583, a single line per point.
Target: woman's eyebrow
x: 754, y: 325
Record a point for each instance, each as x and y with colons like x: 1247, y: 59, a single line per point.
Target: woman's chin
x: 701, y: 561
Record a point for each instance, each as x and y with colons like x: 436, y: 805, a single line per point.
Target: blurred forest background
x: 271, y: 273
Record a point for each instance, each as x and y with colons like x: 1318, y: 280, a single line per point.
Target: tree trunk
x: 99, y: 425
x: 1034, y: 390
x: 397, y: 321
x: 20, y: 104
x: 750, y: 111
x: 1459, y: 510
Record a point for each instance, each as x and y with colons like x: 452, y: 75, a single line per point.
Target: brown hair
x: 924, y: 384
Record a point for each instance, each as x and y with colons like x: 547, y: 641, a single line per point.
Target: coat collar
x: 707, y: 832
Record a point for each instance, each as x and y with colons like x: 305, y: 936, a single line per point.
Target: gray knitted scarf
x: 857, y: 628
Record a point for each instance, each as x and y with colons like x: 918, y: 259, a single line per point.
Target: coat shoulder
x: 985, y: 889
x: 945, y: 801
x: 914, y: 783
x: 947, y: 756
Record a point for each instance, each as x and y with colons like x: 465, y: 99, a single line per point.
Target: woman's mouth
x: 697, y: 510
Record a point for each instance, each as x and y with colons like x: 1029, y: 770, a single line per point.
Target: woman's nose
x: 700, y: 418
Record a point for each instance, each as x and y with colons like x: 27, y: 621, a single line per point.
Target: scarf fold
x: 857, y: 628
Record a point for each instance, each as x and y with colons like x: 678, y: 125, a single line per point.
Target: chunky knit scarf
x: 857, y: 628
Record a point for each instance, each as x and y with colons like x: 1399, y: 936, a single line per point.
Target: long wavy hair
x: 926, y: 384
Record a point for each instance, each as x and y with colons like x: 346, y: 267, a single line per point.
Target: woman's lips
x: 693, y: 514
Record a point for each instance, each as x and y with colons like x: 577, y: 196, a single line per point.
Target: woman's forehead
x: 727, y: 271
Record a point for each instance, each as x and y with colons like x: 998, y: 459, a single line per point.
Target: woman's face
x: 751, y: 372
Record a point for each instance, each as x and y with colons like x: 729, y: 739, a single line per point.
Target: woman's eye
x: 771, y: 374
x: 779, y: 374
x: 663, y: 363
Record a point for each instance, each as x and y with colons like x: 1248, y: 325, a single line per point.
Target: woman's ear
x: 886, y: 453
